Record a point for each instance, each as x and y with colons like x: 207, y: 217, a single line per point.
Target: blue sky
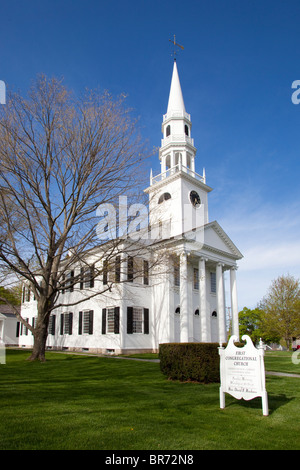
x: 239, y: 61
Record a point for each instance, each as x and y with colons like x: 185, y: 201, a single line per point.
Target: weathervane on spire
x: 175, y: 45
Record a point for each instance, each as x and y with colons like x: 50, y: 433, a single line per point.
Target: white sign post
x: 242, y: 372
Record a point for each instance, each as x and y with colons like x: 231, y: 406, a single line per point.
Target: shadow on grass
x: 274, y: 402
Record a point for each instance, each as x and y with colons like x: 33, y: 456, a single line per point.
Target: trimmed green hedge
x: 197, y: 362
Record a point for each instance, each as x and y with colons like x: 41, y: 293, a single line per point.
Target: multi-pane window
x: 69, y: 281
x: 137, y: 320
x: 110, y: 320
x: 26, y: 294
x: 130, y: 269
x: 85, y: 322
x: 51, y: 325
x: 196, y: 278
x: 87, y: 277
x: 66, y: 323
x: 213, y: 283
x: 177, y: 275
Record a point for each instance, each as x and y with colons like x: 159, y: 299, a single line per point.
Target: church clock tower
x: 178, y: 195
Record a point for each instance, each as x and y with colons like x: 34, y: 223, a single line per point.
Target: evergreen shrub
x: 197, y: 362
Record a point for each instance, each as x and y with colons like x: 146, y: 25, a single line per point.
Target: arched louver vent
x: 164, y: 197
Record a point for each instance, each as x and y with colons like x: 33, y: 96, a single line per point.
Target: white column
x: 163, y: 165
x: 220, y: 302
x: 234, y: 302
x: 184, y: 324
x: 173, y: 161
x: 202, y: 300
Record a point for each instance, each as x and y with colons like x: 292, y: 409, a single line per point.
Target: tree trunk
x: 40, y: 338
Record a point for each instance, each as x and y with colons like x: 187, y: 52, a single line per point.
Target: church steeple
x: 178, y: 192
x: 176, y: 103
x: 177, y: 147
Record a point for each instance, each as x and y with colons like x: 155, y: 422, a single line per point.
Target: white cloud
x: 269, y: 238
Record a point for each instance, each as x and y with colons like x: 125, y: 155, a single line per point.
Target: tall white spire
x: 176, y: 103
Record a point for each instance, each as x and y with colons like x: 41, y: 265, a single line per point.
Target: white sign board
x: 242, y: 372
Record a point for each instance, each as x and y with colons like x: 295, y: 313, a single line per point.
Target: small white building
x: 181, y: 299
x: 9, y: 326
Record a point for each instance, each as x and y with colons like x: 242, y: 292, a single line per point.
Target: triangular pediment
x: 217, y: 240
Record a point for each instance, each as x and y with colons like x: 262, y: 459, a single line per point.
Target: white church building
x: 179, y: 301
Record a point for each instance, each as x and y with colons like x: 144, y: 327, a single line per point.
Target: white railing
x: 178, y: 138
x: 176, y: 114
x: 176, y: 169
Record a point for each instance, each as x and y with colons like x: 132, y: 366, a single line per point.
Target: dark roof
x: 8, y: 311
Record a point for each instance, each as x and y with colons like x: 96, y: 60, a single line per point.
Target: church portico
x: 199, y: 297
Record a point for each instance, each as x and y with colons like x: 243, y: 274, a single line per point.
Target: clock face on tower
x: 195, y: 198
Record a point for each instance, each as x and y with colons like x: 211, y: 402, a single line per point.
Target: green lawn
x: 76, y: 402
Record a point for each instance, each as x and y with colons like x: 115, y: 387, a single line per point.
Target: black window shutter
x: 105, y: 272
x: 81, y: 278
x: 70, y: 323
x: 61, y: 323
x: 53, y: 325
x: 103, y: 321
x: 18, y: 330
x: 146, y: 321
x: 80, y: 324
x: 129, y: 320
x: 146, y: 272
x: 63, y: 284
x: 91, y: 322
x: 118, y: 268
x: 92, y: 275
x: 72, y: 281
x: 117, y: 320
x: 130, y: 269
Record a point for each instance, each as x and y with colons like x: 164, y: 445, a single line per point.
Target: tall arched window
x: 186, y: 130
x: 168, y: 162
x: 168, y: 130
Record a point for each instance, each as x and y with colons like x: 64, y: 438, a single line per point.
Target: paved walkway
x: 283, y: 374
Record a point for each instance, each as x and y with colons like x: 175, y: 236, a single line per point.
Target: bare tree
x: 61, y: 157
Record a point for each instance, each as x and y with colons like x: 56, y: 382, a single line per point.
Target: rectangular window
x: 25, y: 327
x: 137, y: 320
x: 213, y: 283
x: 130, y: 269
x: 196, y: 279
x: 177, y: 276
x: 66, y: 323
x: 86, y: 322
x: 51, y: 325
x: 87, y: 277
x: 110, y: 320
x: 69, y: 281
